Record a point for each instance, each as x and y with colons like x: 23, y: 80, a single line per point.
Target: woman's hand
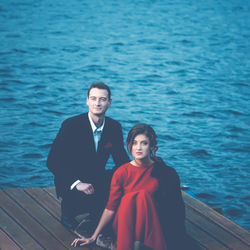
x: 107, y: 215
x: 82, y: 241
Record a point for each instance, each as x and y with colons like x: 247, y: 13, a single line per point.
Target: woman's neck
x: 142, y: 163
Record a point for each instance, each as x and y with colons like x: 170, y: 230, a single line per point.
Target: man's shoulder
x: 77, y: 119
x: 112, y: 122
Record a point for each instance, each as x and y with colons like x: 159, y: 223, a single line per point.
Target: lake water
x: 181, y: 66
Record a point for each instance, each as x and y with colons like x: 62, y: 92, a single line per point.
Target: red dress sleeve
x: 116, y: 189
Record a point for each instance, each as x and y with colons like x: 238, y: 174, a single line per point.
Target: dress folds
x: 132, y: 196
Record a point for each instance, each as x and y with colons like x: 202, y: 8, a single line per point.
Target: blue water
x: 182, y: 66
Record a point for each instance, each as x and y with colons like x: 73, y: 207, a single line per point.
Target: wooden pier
x: 30, y: 219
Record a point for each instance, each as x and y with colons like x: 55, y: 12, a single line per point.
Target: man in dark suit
x: 79, y: 154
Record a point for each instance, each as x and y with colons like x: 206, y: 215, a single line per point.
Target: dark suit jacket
x: 171, y: 208
x: 73, y: 156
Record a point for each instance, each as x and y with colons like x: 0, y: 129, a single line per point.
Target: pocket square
x: 108, y: 145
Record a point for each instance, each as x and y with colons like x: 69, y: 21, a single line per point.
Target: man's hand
x: 87, y: 188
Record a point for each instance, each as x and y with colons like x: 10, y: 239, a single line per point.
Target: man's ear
x: 110, y: 102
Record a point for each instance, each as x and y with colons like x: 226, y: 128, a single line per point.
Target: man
x: 79, y: 154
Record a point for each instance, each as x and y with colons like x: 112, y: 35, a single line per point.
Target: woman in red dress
x: 145, y: 200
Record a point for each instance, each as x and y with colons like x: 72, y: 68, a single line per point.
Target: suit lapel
x: 88, y: 134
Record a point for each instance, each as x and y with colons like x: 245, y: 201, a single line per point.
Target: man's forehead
x: 98, y: 92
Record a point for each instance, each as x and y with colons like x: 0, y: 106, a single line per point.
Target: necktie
x: 97, y: 137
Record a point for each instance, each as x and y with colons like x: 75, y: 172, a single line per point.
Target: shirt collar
x: 93, y: 126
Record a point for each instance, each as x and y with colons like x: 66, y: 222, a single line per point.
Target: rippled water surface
x: 181, y: 66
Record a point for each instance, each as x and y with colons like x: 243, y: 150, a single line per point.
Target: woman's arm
x: 107, y: 215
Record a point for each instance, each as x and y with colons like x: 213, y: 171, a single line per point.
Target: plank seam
x: 206, y: 232
x: 27, y: 212
x: 20, y: 225
x: 218, y: 225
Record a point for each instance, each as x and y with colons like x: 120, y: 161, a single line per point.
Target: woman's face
x: 141, y: 147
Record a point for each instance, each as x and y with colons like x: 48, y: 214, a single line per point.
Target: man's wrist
x: 74, y: 184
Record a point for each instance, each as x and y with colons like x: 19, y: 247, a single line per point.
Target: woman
x: 145, y: 199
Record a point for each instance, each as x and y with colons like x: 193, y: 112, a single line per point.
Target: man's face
x: 98, y: 101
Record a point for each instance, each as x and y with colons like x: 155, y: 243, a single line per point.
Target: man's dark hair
x: 100, y: 85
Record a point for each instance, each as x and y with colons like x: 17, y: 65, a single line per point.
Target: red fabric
x: 132, y: 197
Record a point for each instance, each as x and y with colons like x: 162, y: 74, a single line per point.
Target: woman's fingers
x: 87, y: 241
x: 82, y: 242
x: 74, y: 243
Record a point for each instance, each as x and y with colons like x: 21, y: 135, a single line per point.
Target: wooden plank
x: 42, y: 236
x: 218, y: 219
x: 30, y: 219
x: 52, y: 225
x: 6, y: 243
x: 223, y: 236
x: 46, y: 201
x: 52, y: 206
x: 51, y: 190
x: 205, y: 240
x: 14, y: 231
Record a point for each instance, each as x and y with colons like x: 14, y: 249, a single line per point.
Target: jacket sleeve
x: 119, y: 153
x: 54, y: 159
x: 171, y: 207
x: 58, y: 161
x: 172, y: 214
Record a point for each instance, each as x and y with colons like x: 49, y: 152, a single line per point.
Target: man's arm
x: 119, y: 153
x: 59, y: 160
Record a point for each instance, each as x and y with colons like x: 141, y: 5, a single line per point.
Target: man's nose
x: 98, y: 101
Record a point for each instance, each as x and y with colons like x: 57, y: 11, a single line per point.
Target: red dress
x: 132, y: 197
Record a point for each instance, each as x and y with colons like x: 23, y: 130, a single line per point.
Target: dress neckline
x: 142, y: 167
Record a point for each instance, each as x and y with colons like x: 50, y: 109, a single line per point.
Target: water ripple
x: 168, y: 64
x: 32, y: 156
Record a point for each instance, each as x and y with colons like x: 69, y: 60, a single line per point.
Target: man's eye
x: 92, y: 98
x: 103, y: 99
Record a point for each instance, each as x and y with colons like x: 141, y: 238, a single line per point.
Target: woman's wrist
x: 94, y: 237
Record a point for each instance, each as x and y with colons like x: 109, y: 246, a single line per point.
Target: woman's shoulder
x: 163, y: 168
x: 122, y: 169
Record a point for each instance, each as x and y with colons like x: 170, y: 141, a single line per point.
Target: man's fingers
x: 89, y: 189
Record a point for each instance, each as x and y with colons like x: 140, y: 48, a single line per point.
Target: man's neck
x: 98, y: 120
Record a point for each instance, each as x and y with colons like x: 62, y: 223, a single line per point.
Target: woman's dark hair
x: 145, y: 129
